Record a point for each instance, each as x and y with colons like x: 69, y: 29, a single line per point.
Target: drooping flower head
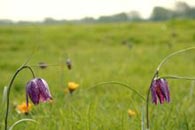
x: 160, y: 90
x: 72, y: 86
x: 42, y: 65
x: 69, y: 64
x: 38, y: 91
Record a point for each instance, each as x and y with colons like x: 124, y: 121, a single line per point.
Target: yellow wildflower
x: 131, y: 113
x: 22, y: 108
x: 72, y: 86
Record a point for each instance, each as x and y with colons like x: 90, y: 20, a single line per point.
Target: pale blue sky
x: 37, y: 10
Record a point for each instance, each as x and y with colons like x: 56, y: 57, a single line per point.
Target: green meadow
x: 121, y: 52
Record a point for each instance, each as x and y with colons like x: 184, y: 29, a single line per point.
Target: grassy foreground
x: 125, y: 52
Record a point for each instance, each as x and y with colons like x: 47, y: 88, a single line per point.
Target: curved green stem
x: 171, y: 55
x: 9, y: 88
x: 147, y: 101
x: 20, y: 121
x: 177, y: 77
x: 47, y: 65
x: 122, y: 84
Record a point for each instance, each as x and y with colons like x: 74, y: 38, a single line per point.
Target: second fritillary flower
x: 160, y: 90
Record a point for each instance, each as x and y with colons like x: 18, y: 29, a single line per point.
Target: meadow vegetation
x: 125, y: 52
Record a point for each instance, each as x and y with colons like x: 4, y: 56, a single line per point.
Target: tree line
x: 182, y: 11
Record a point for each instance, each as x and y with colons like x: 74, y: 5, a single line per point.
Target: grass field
x: 124, y: 52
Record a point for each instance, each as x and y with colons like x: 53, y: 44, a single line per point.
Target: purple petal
x: 44, y: 90
x: 33, y: 91
x: 160, y: 97
x: 153, y: 91
x: 159, y: 91
x: 165, y: 89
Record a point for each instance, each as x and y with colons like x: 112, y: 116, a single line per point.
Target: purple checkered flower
x: 38, y: 91
x: 160, y: 90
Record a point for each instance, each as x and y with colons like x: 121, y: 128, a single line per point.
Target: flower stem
x: 20, y: 121
x: 171, y: 55
x: 147, y: 101
x: 177, y: 77
x: 122, y: 84
x: 9, y: 88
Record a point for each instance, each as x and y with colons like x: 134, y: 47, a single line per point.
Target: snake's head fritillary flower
x: 38, y: 91
x: 23, y: 108
x: 69, y: 64
x: 72, y: 86
x: 160, y: 90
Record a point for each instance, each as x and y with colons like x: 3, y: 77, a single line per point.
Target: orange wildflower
x: 22, y: 108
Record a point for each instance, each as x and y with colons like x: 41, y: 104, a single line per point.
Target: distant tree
x: 182, y: 10
x: 134, y: 16
x: 121, y: 17
x: 5, y: 21
x: 26, y: 22
x: 182, y: 7
x: 160, y: 13
x: 87, y: 20
x: 191, y: 13
x: 50, y: 20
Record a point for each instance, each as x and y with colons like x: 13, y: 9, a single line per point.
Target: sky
x: 38, y: 10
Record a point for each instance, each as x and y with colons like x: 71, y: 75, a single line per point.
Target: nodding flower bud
x: 159, y: 89
x: 42, y: 65
x: 69, y: 64
x: 38, y: 91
